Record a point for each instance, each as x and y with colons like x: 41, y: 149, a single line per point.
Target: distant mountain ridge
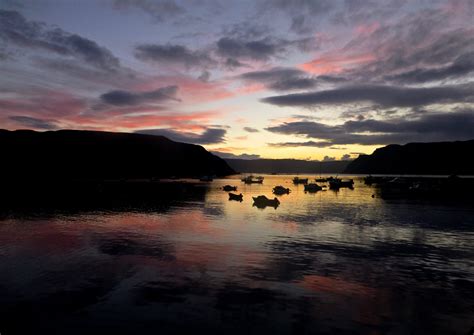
x: 438, y: 158
x: 77, y: 154
x: 286, y: 166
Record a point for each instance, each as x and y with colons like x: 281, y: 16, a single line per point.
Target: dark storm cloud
x: 209, y: 136
x: 173, y: 54
x: 160, y: 10
x: 386, y: 96
x: 460, y: 67
x: 127, y: 98
x: 16, y: 30
x: 428, y: 127
x: 34, y: 123
x: 251, y: 130
x: 281, y: 79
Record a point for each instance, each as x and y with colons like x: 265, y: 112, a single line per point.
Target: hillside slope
x: 72, y: 154
x: 442, y: 158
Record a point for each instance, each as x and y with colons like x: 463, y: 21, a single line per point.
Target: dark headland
x: 91, y: 169
x: 438, y: 158
x: 73, y: 154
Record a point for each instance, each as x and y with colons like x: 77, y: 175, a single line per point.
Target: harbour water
x: 321, y: 263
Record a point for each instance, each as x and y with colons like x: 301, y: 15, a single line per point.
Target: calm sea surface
x: 324, y: 263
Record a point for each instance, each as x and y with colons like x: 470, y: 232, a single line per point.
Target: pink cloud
x: 335, y: 63
x: 191, y: 90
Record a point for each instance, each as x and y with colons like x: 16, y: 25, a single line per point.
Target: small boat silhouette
x: 236, y: 197
x: 251, y: 180
x: 228, y: 188
x: 279, y: 190
x: 262, y: 201
x: 313, y: 187
x: 298, y: 180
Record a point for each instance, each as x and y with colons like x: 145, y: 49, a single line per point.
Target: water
x: 324, y: 263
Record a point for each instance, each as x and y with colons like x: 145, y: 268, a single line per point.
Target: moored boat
x: 279, y: 190
x: 313, y: 187
x: 228, y: 188
x: 236, y: 197
x: 298, y: 180
x: 262, y: 201
x: 251, y: 180
x: 337, y: 183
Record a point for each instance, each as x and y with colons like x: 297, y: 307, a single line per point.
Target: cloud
x: 251, y: 130
x: 18, y: 31
x: 385, y: 96
x: 160, y: 10
x: 428, y: 127
x: 281, y: 79
x: 460, y: 67
x: 209, y: 136
x: 174, y: 55
x: 232, y: 64
x: 381, y: 44
x: 127, y: 98
x: 305, y: 15
x: 35, y: 123
x: 438, y: 38
x: 228, y: 155
x: 261, y: 50
x: 204, y: 76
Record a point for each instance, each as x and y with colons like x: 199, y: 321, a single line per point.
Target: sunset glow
x: 311, y: 80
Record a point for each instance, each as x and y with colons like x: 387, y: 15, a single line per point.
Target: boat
x: 251, y: 180
x: 337, y: 183
x: 259, y: 178
x: 313, y: 187
x: 321, y: 180
x: 262, y: 201
x: 236, y: 197
x: 298, y: 180
x: 228, y: 188
x: 247, y: 177
x: 280, y: 190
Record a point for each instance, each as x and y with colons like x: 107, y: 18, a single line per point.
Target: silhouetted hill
x: 286, y: 166
x: 443, y: 158
x: 72, y: 154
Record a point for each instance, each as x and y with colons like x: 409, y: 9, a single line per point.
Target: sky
x: 306, y: 79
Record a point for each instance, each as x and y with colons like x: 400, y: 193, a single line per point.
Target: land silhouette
x: 437, y: 158
x: 73, y: 154
x: 72, y: 170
